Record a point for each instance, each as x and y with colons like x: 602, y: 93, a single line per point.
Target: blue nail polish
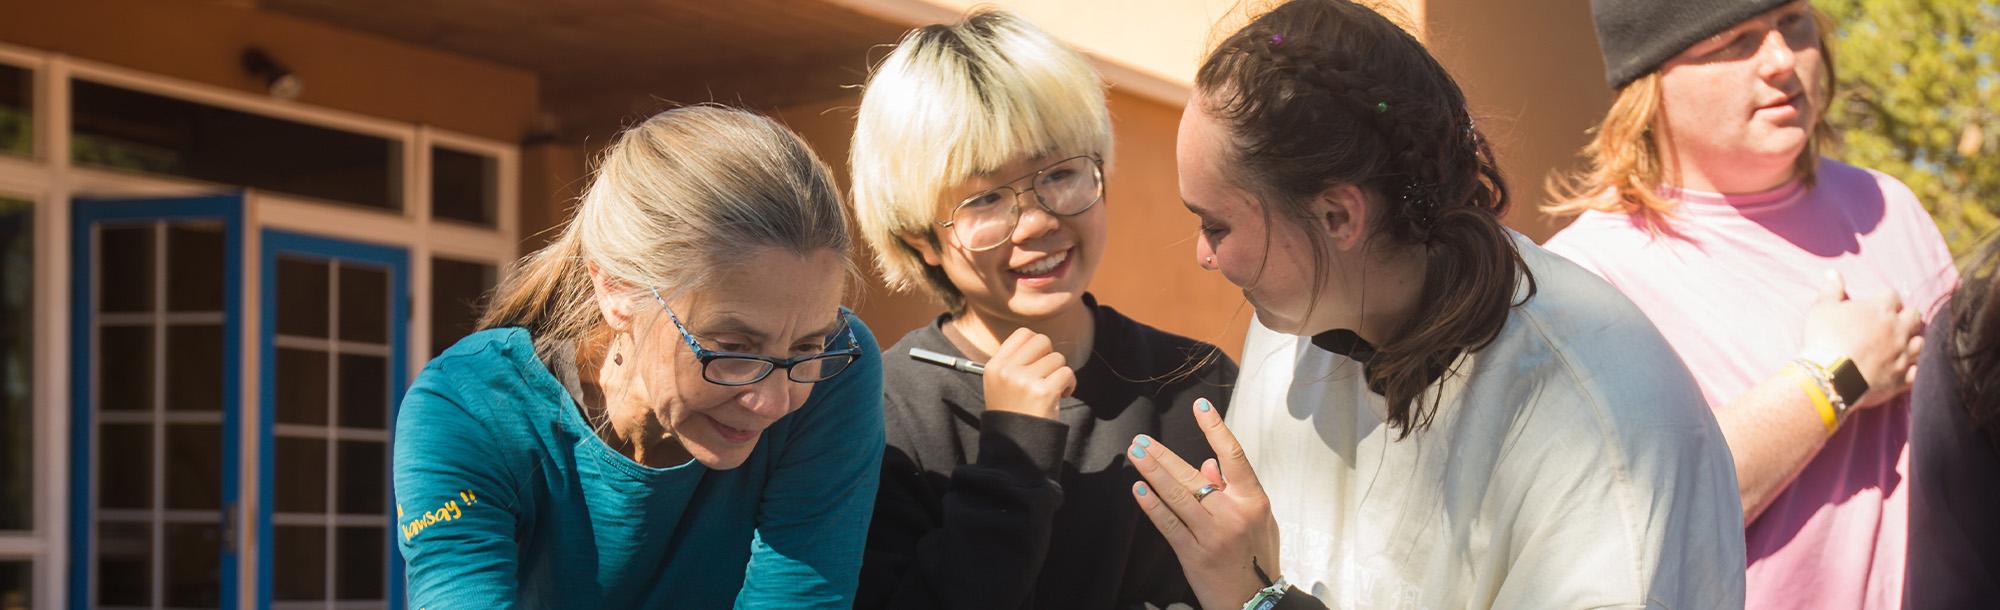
x: 1203, y: 405
x: 1138, y: 451
x: 1143, y: 441
x: 1142, y: 489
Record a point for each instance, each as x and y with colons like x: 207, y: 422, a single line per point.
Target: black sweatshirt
x: 985, y: 509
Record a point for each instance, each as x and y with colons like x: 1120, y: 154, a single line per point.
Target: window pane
x: 302, y: 388
x: 360, y: 563
x: 302, y: 297
x: 364, y: 473
x: 364, y: 391
x: 124, y: 560
x: 16, y: 581
x: 464, y: 186
x: 302, y: 552
x: 129, y: 130
x: 458, y: 292
x: 125, y: 469
x: 364, y: 304
x: 125, y: 368
x: 194, y: 466
x: 194, y: 372
x: 17, y: 370
x: 17, y: 121
x: 194, y: 266
x: 194, y: 565
x: 301, y: 474
x: 125, y: 268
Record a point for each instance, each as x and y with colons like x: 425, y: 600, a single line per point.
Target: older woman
x: 637, y: 425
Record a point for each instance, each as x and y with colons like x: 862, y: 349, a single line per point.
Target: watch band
x: 1268, y: 597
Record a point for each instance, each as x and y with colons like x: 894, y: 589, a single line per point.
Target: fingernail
x: 1142, y: 489
x: 1138, y: 451
x: 1203, y: 405
x: 1143, y: 441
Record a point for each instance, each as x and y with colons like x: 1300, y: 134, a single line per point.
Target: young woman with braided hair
x: 1440, y: 413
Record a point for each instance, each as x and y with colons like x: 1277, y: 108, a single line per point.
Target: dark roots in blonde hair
x: 1323, y: 93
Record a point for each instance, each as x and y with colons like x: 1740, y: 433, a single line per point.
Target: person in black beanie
x: 1794, y: 287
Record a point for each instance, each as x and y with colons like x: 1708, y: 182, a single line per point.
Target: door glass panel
x: 17, y: 366
x: 16, y: 582
x: 301, y: 474
x: 125, y: 466
x: 360, y: 566
x: 458, y: 295
x: 124, y: 564
x: 194, y: 466
x: 125, y: 268
x: 125, y: 368
x: 194, y: 368
x: 364, y: 304
x: 302, y: 297
x: 300, y: 559
x: 193, y: 565
x: 194, y: 267
x: 302, y: 389
x: 364, y: 391
x: 364, y: 471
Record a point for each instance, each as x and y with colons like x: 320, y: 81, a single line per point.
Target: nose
x: 1034, y: 221
x: 770, y: 398
x: 1775, y: 57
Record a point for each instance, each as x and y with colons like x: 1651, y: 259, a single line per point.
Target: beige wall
x: 342, y: 69
x: 1533, y: 95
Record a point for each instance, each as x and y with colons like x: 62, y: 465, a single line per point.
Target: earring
x: 1208, y: 261
x: 618, y: 359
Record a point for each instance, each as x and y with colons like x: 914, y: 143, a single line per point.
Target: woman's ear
x: 614, y: 298
x: 926, y: 246
x: 1341, y: 211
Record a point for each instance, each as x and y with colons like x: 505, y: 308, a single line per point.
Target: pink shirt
x: 1729, y: 287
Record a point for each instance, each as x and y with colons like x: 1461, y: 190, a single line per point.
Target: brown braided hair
x: 1323, y: 93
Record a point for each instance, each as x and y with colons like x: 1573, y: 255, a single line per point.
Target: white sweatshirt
x: 1572, y: 464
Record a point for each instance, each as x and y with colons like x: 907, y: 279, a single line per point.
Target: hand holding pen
x: 1026, y: 375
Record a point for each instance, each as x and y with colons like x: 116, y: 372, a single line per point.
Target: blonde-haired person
x: 978, y: 178
x: 638, y: 424
x: 1793, y: 286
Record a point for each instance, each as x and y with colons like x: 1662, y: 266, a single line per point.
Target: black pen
x: 962, y: 364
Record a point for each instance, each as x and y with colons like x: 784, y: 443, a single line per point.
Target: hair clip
x: 1277, y: 39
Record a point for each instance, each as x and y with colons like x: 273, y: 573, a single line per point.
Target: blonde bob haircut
x: 956, y: 101
x: 1626, y: 172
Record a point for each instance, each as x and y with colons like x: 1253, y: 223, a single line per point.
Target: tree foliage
x: 1919, y: 99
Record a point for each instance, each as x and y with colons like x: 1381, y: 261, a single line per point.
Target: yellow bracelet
x: 1816, y: 392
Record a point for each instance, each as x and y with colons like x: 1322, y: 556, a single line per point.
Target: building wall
x: 342, y: 69
x: 1533, y: 96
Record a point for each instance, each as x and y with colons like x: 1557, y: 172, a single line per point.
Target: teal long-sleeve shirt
x: 506, y: 499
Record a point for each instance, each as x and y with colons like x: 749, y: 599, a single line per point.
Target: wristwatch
x: 1267, y: 597
x: 1847, y: 381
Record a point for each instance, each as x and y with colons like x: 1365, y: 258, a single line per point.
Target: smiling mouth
x: 1042, y: 267
x: 732, y: 434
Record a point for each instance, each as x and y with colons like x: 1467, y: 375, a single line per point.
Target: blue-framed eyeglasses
x: 737, y: 368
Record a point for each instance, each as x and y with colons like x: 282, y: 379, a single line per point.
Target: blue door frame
x: 396, y: 260
x: 85, y: 216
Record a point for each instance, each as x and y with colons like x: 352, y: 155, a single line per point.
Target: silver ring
x: 1199, y: 494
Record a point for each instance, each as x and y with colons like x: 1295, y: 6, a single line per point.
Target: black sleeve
x: 980, y: 545
x: 1295, y: 599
